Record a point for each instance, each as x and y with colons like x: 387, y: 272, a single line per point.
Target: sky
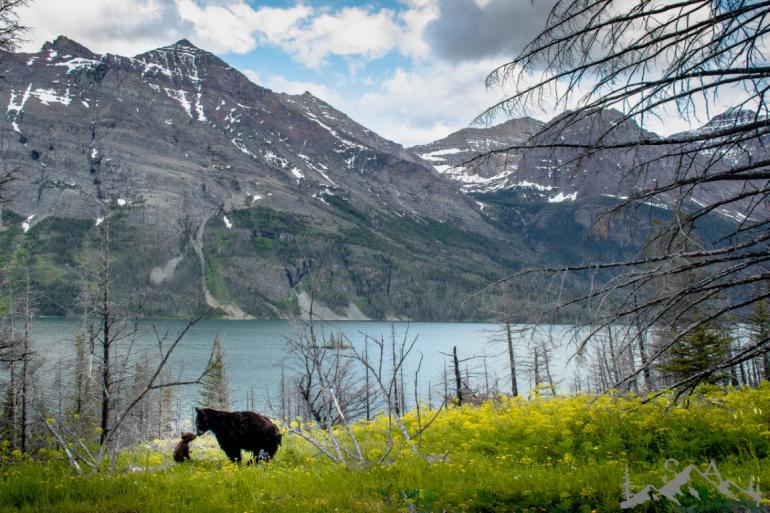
x: 411, y: 70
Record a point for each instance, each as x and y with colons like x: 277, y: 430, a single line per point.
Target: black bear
x: 182, y: 449
x: 238, y: 430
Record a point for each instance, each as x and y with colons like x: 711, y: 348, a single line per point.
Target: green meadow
x: 564, y: 454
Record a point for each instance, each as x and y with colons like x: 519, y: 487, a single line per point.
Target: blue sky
x: 412, y: 70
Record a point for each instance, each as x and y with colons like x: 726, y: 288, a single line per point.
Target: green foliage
x: 703, y: 349
x: 345, y: 208
x: 290, y: 304
x: 214, y: 388
x: 269, y: 221
x: 555, y: 455
x: 50, y: 250
x: 215, y: 278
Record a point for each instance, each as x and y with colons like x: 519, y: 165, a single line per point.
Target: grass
x: 555, y: 455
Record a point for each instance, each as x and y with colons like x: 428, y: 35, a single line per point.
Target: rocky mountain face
x: 216, y: 188
x: 452, y: 155
x: 551, y: 197
x: 213, y: 189
x: 558, y: 175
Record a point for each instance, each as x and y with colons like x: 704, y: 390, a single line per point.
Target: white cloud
x: 308, y: 34
x: 419, y: 14
x: 236, y: 27
x: 410, y: 106
x: 427, y: 102
x: 351, y: 31
x: 115, y: 26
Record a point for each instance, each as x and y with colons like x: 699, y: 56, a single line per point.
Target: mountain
x: 260, y: 204
x: 551, y: 197
x: 214, y: 187
x: 558, y: 175
x: 450, y: 156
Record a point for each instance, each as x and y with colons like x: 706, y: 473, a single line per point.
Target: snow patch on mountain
x: 25, y: 225
x: 561, y: 197
x: 531, y: 185
x: 199, y: 105
x: 180, y: 95
x: 437, y: 155
x: 77, y: 64
x: 238, y: 144
x: 297, y: 174
x: 49, y: 96
x: 16, y: 108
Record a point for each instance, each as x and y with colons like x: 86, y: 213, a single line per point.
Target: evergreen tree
x: 759, y: 325
x: 699, y: 351
x: 214, y: 392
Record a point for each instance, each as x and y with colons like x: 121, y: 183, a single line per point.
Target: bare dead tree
x: 11, y: 33
x: 26, y: 354
x: 109, y: 388
x: 11, y: 30
x: 318, y: 362
x: 332, y: 371
x: 508, y: 332
x: 389, y: 379
x: 330, y: 389
x: 156, y: 378
x: 650, y: 59
x: 458, y: 379
x: 16, y: 348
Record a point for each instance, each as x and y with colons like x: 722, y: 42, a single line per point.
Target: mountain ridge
x: 200, y: 160
x: 252, y: 201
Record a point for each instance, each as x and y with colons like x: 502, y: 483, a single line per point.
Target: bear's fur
x: 240, y: 430
x: 182, y: 449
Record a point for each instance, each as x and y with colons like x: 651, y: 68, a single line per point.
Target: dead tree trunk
x: 511, y: 358
x: 548, y: 371
x: 106, y: 381
x: 643, y: 352
x: 458, y: 379
x: 25, y: 354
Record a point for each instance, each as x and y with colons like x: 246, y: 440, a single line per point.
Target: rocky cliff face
x: 452, y: 155
x: 215, y: 189
x: 215, y: 180
x: 562, y: 174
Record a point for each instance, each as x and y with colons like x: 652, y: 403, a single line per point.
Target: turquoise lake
x: 256, y: 353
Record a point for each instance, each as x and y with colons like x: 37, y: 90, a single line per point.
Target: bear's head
x: 201, y: 421
x: 188, y: 437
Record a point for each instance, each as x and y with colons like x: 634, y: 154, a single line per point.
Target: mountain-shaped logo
x: 683, y: 482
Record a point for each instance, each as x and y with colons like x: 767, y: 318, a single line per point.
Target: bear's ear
x: 197, y: 410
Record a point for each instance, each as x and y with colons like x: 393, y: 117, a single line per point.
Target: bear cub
x: 182, y: 449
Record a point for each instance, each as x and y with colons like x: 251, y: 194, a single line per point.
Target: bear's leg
x: 234, y: 453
